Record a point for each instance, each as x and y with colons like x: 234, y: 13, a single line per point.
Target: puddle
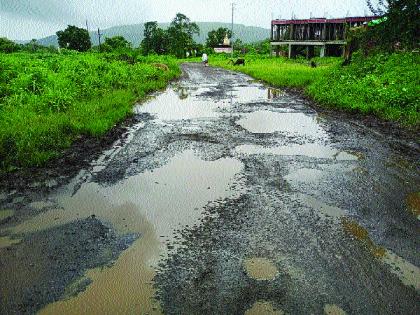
x: 413, y: 202
x: 260, y: 269
x: 169, y: 106
x: 362, y: 235
x: 408, y: 273
x: 248, y: 94
x: 124, y: 288
x: 39, y: 205
x: 322, y: 208
x: 7, y: 241
x: 153, y: 204
x: 310, y: 150
x: 5, y: 214
x: 305, y: 175
x: 332, y: 309
x: 262, y: 308
x: 296, y: 124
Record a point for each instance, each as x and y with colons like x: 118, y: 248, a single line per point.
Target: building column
x: 322, y: 54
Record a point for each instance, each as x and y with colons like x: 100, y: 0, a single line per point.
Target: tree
x: 74, y: 38
x: 380, y: 9
x: 402, y: 23
x: 116, y: 43
x: 155, y: 39
x: 181, y: 32
x: 216, y: 37
x: 8, y: 46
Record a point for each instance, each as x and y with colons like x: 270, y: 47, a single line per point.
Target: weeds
x: 48, y: 100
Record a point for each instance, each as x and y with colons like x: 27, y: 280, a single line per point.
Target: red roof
x: 324, y: 20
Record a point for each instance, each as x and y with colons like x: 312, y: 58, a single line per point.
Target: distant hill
x: 134, y: 33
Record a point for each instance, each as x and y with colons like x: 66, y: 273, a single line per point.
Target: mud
x: 223, y: 196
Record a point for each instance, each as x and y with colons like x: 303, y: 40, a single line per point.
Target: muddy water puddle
x: 169, y: 106
x: 407, y: 273
x: 413, y: 202
x: 291, y: 123
x: 256, y: 93
x: 260, y: 268
x: 8, y: 241
x: 263, y: 308
x: 154, y: 205
x: 185, y: 103
x: 332, y: 309
x: 6, y: 214
x: 312, y: 150
x: 321, y: 208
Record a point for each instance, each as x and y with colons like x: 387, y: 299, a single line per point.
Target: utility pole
x: 87, y: 26
x: 231, y: 29
x: 99, y: 39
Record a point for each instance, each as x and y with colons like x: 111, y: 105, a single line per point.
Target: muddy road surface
x: 225, y: 197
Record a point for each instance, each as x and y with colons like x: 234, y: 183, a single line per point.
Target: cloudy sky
x: 26, y: 19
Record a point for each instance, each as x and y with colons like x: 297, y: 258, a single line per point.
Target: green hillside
x: 134, y: 33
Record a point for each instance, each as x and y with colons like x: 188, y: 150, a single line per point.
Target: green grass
x: 387, y: 86
x: 48, y: 100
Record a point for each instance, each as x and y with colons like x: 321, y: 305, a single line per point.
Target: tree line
x: 177, y: 40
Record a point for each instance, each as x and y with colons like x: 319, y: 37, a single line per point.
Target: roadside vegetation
x: 49, y: 100
x: 386, y: 85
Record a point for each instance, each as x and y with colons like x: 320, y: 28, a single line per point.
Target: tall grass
x: 48, y: 100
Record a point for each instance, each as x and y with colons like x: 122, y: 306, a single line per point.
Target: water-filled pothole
x: 154, y: 204
x: 263, y: 308
x: 312, y: 150
x: 295, y: 124
x: 332, y: 309
x: 413, y: 202
x: 169, y: 106
x: 260, y: 268
x: 6, y: 214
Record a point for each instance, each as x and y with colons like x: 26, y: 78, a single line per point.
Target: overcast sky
x: 27, y: 19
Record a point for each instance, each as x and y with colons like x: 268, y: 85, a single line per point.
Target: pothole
x: 263, y: 307
x: 7, y: 241
x: 297, y: 124
x: 413, y: 202
x: 260, y: 269
x: 332, y: 309
x: 311, y: 150
x: 5, y: 214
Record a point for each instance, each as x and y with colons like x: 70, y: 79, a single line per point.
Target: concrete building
x: 302, y: 36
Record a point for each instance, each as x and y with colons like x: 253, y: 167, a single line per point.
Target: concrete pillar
x: 322, y: 54
x: 290, y: 51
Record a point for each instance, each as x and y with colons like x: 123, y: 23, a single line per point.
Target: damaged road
x: 225, y: 197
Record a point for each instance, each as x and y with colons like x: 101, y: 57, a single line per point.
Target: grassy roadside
x: 387, y: 86
x: 48, y: 100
